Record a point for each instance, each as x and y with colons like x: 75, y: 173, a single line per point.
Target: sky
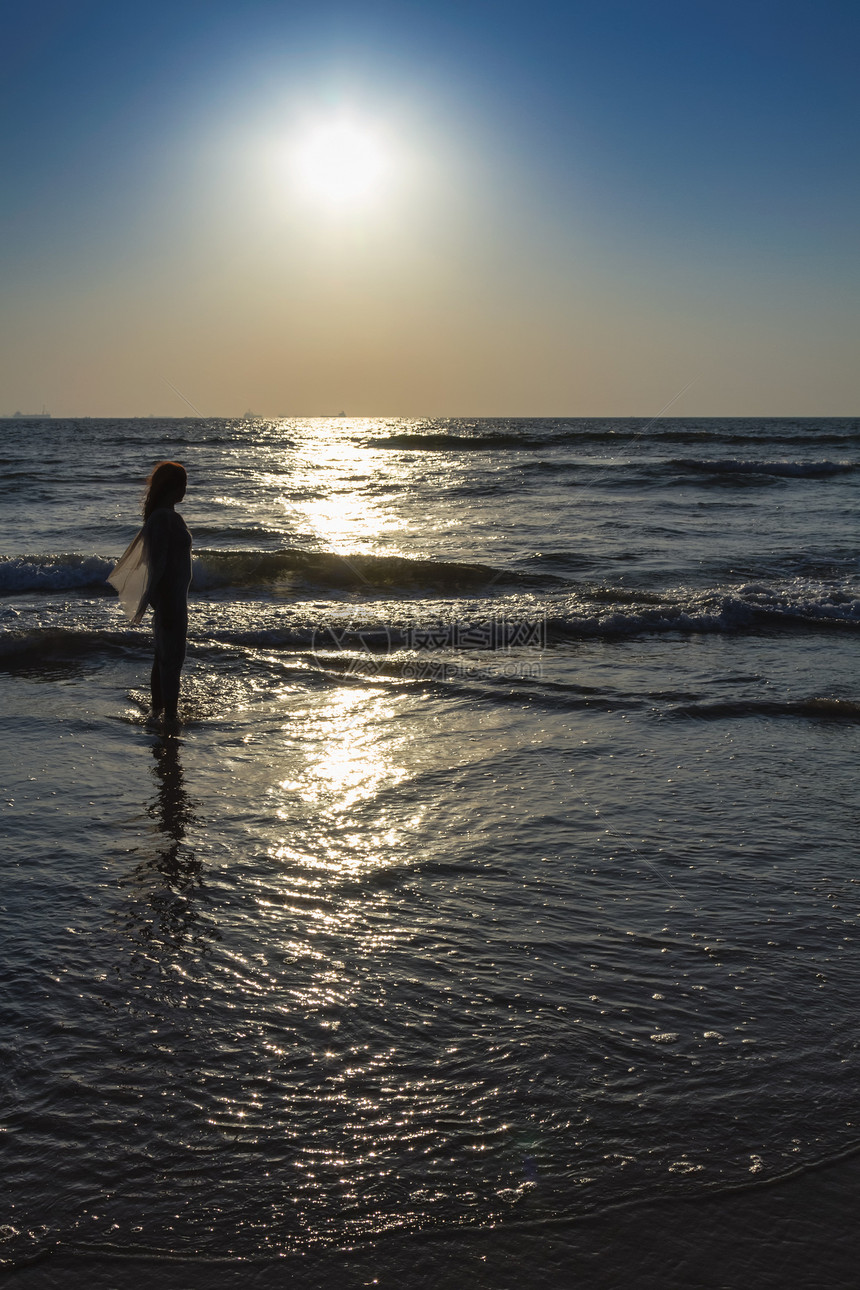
x: 479, y: 208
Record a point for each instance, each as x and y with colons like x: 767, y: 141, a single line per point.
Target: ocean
x: 493, y: 917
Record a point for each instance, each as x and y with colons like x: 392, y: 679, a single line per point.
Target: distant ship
x: 28, y: 416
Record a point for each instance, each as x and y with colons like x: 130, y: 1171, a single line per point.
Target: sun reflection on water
x: 342, y: 476
x: 352, y: 759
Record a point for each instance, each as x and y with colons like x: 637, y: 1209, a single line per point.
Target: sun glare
x: 341, y: 164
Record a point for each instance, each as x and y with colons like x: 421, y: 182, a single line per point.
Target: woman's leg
x: 170, y: 673
x: 170, y: 633
x: 155, y: 687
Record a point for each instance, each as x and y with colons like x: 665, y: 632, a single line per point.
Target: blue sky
x: 589, y: 205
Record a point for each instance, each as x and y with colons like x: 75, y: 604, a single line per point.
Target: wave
x: 536, y: 434
x: 570, y: 609
x: 443, y: 442
x: 813, y: 565
x: 548, y: 619
x: 291, y: 568
x: 354, y: 572
x: 37, y: 647
x: 20, y: 574
x: 814, y: 709
x: 788, y: 469
x: 719, y: 467
x: 747, y: 609
x: 519, y: 629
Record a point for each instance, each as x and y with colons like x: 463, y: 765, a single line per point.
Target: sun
x: 341, y: 164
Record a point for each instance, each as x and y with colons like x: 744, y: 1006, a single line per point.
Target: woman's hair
x: 166, y: 483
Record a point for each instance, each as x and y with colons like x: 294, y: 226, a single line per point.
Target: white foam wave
x: 19, y: 574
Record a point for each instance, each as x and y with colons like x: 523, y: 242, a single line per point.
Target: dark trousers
x: 170, y: 624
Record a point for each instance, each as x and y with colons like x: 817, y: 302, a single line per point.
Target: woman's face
x: 176, y: 493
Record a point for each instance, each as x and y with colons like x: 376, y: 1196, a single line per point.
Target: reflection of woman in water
x: 166, y: 908
x: 156, y: 570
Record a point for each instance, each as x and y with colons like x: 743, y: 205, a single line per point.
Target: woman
x: 156, y: 570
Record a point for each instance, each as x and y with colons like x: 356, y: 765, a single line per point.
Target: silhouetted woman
x: 156, y: 570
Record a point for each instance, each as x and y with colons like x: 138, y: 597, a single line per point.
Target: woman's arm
x: 156, y: 536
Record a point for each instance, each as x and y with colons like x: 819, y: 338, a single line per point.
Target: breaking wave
x: 526, y: 623
x: 288, y: 568
x: 24, y: 573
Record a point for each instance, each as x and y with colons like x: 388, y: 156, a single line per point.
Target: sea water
x: 503, y: 870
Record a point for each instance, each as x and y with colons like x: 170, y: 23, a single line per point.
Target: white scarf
x: 132, y: 576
